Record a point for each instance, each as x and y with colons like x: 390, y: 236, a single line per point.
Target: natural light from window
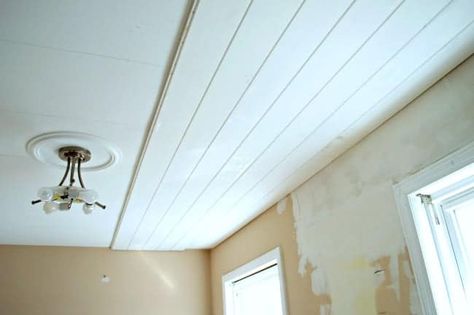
x: 441, y: 210
x: 258, y: 293
x: 256, y: 288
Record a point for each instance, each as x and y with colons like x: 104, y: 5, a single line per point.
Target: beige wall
x: 343, y: 247
x: 58, y: 280
x: 261, y: 235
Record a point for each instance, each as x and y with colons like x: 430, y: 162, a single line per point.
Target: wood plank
x: 254, y: 41
x: 178, y: 108
x: 351, y: 33
x: 432, y: 43
x: 315, y: 18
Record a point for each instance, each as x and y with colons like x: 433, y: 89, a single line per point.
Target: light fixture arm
x: 62, y: 197
x: 67, y: 171
x: 71, y: 176
x: 79, y: 173
x: 73, y: 155
x: 72, y: 161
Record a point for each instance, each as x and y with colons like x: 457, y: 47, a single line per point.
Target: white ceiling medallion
x: 45, y: 148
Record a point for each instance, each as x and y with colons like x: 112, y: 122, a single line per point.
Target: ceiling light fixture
x: 62, y: 197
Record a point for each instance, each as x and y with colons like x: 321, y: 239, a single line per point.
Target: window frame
x: 411, y: 212
x: 447, y: 208
x: 256, y: 265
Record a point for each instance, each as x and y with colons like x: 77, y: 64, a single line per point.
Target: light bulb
x: 45, y: 194
x: 50, y: 206
x: 88, y: 208
x: 88, y: 196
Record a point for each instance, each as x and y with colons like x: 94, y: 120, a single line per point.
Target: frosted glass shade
x: 88, y: 208
x: 45, y: 193
x: 88, y: 196
x: 50, y: 206
x: 63, y: 197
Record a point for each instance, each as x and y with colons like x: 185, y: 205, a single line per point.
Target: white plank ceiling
x: 262, y: 95
x: 262, y: 88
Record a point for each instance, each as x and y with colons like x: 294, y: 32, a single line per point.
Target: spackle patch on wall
x: 346, y: 221
x: 282, y: 205
x: 342, y: 244
x: 393, y: 292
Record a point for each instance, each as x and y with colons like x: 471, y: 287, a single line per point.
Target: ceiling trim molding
x: 162, y: 94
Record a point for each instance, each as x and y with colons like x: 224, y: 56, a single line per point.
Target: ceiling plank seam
x: 187, y: 128
x: 150, y: 129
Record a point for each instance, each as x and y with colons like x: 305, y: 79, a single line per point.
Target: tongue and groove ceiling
x: 220, y: 108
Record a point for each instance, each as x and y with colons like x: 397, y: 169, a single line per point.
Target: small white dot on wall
x: 105, y: 279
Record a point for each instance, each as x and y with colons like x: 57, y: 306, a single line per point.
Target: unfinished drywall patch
x: 347, y: 224
x: 345, y: 248
x: 320, y: 288
x: 387, y: 299
x: 282, y: 205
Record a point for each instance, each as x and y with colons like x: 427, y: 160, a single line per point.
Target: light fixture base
x: 74, y: 152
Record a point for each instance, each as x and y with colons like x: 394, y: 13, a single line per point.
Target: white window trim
x: 446, y: 206
x: 259, y: 263
x: 405, y: 196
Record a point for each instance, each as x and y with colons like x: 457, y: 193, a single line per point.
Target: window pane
x: 465, y: 220
x: 258, y: 294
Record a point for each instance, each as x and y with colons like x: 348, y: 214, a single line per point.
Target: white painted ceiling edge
x: 454, y: 53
